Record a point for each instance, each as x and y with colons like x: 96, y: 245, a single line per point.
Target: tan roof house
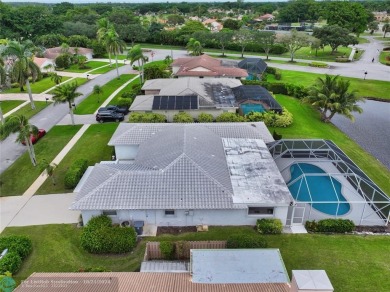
x: 53, y: 53
x: 213, y: 25
x: 43, y: 63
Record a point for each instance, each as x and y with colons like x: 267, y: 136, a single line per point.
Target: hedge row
x: 75, y: 173
x: 330, y: 225
x: 269, y: 226
x: 272, y: 119
x: 99, y: 236
x: 297, y: 91
x: 318, y: 65
x: 246, y: 241
x: 19, y: 247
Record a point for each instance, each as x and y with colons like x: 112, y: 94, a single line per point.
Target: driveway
x: 45, y: 209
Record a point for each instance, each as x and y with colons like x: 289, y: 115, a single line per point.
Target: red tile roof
x: 137, y: 282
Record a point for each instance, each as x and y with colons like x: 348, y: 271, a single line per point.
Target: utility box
x: 310, y: 281
x: 139, y: 227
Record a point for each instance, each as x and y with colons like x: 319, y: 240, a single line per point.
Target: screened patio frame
x: 326, y: 151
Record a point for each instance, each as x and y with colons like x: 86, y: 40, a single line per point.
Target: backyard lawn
x: 36, y: 87
x: 94, y: 101
x: 353, y: 263
x: 95, y: 138
x: 21, y: 174
x: 366, y: 88
x: 8, y: 105
x: 28, y: 112
x: 89, y: 66
x: 307, y: 124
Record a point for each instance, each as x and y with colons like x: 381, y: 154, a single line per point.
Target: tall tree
x: 293, y: 41
x: 135, y: 55
x: 334, y: 36
x: 55, y: 78
x: 133, y: 33
x: 115, y: 46
x: 194, y: 47
x: 243, y: 37
x: 23, y: 66
x: 66, y: 93
x: 223, y: 38
x: 331, y: 95
x: 105, y: 31
x: 385, y: 29
x: 299, y: 10
x: 20, y: 124
x: 49, y: 169
x: 266, y: 40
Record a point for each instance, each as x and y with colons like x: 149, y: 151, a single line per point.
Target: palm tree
x: 136, y: 55
x: 98, y: 90
x: 20, y: 124
x: 105, y: 31
x: 49, y: 169
x: 331, y: 96
x: 55, y: 78
x: 66, y: 93
x: 23, y: 67
x: 194, y: 47
x: 115, y: 46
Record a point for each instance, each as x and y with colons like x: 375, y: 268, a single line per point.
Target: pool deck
x: 357, y: 203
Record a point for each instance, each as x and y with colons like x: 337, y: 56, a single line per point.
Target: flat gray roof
x: 217, y: 266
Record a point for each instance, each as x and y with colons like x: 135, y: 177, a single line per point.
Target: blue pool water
x: 321, y: 189
x: 251, y: 107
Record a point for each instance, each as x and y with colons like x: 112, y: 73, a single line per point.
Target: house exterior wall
x: 126, y: 152
x: 190, y: 217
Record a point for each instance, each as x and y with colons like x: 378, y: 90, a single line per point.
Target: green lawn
x: 382, y: 57
x: 353, y: 263
x: 79, y: 80
x: 8, y: 105
x: 307, y: 124
x: 366, y: 88
x: 106, y: 69
x: 21, y: 174
x: 120, y: 57
x: 95, y: 138
x: 93, y: 101
x: 36, y: 87
x: 90, y: 66
x: 28, y: 112
x: 363, y: 40
x: 127, y: 88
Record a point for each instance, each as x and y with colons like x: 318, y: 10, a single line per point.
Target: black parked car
x: 114, y: 108
x: 108, y: 116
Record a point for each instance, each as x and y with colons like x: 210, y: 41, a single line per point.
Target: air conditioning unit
x: 125, y: 223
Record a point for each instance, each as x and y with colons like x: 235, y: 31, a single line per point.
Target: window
x: 109, y: 212
x: 169, y: 212
x: 260, y: 210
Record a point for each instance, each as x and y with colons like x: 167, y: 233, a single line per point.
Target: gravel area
x: 371, y: 129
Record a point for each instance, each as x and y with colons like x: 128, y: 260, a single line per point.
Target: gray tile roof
x: 179, y: 166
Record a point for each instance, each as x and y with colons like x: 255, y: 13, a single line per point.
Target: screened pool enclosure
x: 326, y: 183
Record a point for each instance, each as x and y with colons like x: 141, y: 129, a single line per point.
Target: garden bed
x: 174, y: 230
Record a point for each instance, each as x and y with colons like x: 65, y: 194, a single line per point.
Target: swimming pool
x: 252, y: 107
x: 322, y: 188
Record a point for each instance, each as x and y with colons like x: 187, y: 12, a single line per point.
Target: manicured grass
x: 366, y: 88
x: 79, y: 80
x: 8, y: 105
x: 127, y: 88
x: 382, y: 57
x: 120, y: 57
x: 353, y: 263
x: 36, y: 87
x: 106, y: 69
x: 91, y: 146
x: 28, y: 112
x: 21, y: 174
x: 363, y: 40
x: 90, y: 66
x: 307, y: 124
x: 93, y: 101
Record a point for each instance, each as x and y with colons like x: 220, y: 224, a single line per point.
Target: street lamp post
x: 87, y: 76
x: 74, y: 105
x: 47, y: 99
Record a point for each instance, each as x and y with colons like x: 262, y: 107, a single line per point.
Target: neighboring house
x: 255, y: 98
x: 192, y: 95
x: 43, y: 62
x: 381, y: 15
x: 254, y: 66
x: 205, y: 66
x: 53, y: 53
x: 186, y: 175
x: 265, y: 17
x: 213, y: 25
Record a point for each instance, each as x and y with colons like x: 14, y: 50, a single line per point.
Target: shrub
x: 147, y: 118
x: 269, y: 226
x: 318, y: 65
x: 124, y: 102
x: 11, y: 262
x: 183, y: 117
x: 311, y: 226
x: 63, y: 61
x: 252, y: 82
x: 278, y: 49
x: 342, y: 60
x: 229, y: 117
x: 246, y: 241
x: 270, y: 70
x: 297, y: 91
x: 205, y: 118
x: 335, y: 225
x: 386, y: 49
x: 99, y: 237
x: 272, y: 119
x: 277, y: 88
x: 75, y: 172
x: 167, y: 249
x: 278, y: 75
x: 19, y: 244
x: 182, y: 250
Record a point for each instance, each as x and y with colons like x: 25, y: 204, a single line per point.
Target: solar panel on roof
x: 186, y: 102
x: 171, y: 102
x: 164, y: 102
x: 156, y: 103
x: 194, y: 102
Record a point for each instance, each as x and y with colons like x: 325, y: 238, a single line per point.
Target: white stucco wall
x: 126, y: 152
x: 195, y: 217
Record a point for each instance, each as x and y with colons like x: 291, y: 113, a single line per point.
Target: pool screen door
x: 298, y: 216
